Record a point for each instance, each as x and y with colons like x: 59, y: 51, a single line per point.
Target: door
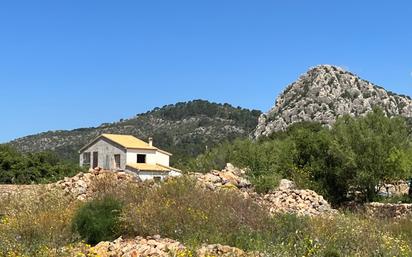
x: 107, y: 163
x: 95, y: 159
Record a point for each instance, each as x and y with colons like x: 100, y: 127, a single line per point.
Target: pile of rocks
x: 224, y: 250
x: 288, y: 199
x: 139, y: 246
x: 157, y: 246
x: 229, y: 178
x: 80, y: 186
x: 285, y: 199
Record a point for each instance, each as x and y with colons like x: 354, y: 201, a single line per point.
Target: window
x: 117, y: 161
x: 86, y: 159
x: 141, y: 158
x: 157, y: 178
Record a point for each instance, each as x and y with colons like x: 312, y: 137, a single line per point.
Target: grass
x: 39, y: 224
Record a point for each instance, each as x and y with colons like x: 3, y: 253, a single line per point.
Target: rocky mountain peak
x: 326, y: 92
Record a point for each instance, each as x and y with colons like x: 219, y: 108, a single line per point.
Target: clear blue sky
x: 76, y: 63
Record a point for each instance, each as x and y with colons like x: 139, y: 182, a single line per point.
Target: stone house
x: 127, y: 153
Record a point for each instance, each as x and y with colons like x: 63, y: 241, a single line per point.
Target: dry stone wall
x: 388, y: 210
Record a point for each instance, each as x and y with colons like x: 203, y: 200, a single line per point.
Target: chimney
x: 151, y: 141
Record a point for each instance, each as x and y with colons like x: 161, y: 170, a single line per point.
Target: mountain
x: 326, y: 92
x: 185, y: 129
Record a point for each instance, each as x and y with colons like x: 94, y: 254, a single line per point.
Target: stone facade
x: 106, y: 151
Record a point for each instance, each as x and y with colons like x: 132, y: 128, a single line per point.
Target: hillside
x: 185, y: 129
x: 326, y: 92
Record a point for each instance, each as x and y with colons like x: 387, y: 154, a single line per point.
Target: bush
x: 42, y: 167
x: 182, y: 211
x: 98, y: 220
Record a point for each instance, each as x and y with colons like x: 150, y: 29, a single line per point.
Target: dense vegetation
x: 17, y: 168
x: 186, y: 129
x: 33, y: 226
x: 355, y: 155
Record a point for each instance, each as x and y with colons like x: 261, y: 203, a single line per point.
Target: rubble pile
x: 80, y: 186
x: 300, y: 202
x: 139, y: 246
x: 229, y: 178
x: 162, y: 247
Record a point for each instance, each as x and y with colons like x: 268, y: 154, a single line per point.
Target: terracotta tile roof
x: 151, y: 167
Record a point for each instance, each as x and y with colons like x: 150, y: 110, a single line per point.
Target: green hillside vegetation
x: 18, y: 168
x: 355, y: 155
x: 186, y: 129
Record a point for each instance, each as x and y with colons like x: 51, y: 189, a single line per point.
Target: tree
x: 373, y: 150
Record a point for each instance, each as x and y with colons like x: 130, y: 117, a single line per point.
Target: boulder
x: 286, y: 184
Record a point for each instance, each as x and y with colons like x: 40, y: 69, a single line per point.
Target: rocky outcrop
x: 326, y: 92
x: 388, y: 210
x: 157, y: 246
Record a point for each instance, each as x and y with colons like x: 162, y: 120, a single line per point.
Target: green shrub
x: 264, y: 183
x: 98, y: 220
x: 41, y: 167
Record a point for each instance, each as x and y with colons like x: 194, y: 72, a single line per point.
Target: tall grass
x: 39, y: 224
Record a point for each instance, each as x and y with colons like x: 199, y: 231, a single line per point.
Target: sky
x: 74, y: 63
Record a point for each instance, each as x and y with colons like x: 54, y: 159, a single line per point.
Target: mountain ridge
x: 184, y: 128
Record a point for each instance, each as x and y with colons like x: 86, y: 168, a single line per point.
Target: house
x: 127, y: 153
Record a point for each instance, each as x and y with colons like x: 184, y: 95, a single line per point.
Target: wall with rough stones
x: 388, y: 210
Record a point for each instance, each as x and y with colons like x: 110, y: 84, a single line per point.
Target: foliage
x: 17, y: 168
x: 355, y: 155
x: 98, y: 220
x: 393, y: 199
